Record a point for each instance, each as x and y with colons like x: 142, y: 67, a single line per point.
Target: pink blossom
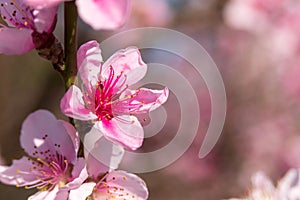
x: 106, y: 182
x: 22, y: 21
x: 287, y: 188
x: 253, y: 15
x: 104, y: 96
x: 52, y: 165
x: 117, y: 185
x: 142, y: 13
x: 99, y: 14
x: 275, y: 22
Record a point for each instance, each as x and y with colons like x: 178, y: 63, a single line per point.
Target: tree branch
x: 71, y: 16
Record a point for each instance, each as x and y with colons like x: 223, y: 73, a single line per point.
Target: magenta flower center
x: 107, y: 93
x: 50, y: 168
x: 108, y: 103
x: 17, y: 15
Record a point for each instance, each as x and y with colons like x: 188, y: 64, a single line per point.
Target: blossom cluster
x: 263, y: 188
x: 54, y: 163
x: 30, y: 23
x: 275, y: 26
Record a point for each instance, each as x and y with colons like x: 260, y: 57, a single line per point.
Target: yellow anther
x: 43, y: 162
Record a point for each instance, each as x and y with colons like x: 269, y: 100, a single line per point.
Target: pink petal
x: 261, y: 182
x: 104, y: 156
x: 80, y: 174
x: 128, y: 61
x: 18, y: 173
x: 43, y: 3
x: 103, y: 14
x: 19, y: 9
x: 82, y: 192
x: 128, y: 186
x: 15, y: 41
x: 72, y: 133
x: 124, y: 130
x: 89, y: 61
x: 41, y: 132
x: 144, y: 101
x: 45, y: 19
x: 2, y: 169
x: 73, y: 105
x: 54, y: 194
x: 89, y: 53
x: 289, y: 181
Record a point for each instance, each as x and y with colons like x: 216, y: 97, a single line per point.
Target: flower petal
x: 89, y: 51
x: 128, y: 61
x: 45, y: 19
x: 89, y: 61
x: 16, y: 14
x: 79, y: 172
x: 42, y: 132
x: 82, y: 192
x: 18, y: 173
x: 289, y: 184
x: 142, y: 101
x: 110, y: 14
x: 262, y: 183
x: 15, y: 41
x: 54, y: 194
x: 73, y: 105
x: 125, y: 185
x: 43, y: 3
x: 124, y: 130
x: 72, y: 133
x: 103, y: 157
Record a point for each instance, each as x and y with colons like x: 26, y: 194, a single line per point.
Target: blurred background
x: 256, y: 46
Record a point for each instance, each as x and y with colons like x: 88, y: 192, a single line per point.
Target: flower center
x: 50, y: 169
x: 17, y: 15
x: 107, y: 93
x: 106, y: 189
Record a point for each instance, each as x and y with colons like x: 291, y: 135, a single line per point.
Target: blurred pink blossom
x: 263, y: 189
x: 252, y: 15
x: 99, y: 14
x: 104, y: 96
x: 276, y: 26
x: 104, y: 181
x: 274, y: 21
x: 142, y: 13
x: 264, y: 137
x: 22, y: 21
x: 52, y: 164
x: 289, y: 76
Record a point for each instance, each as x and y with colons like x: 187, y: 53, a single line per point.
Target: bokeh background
x: 256, y: 46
